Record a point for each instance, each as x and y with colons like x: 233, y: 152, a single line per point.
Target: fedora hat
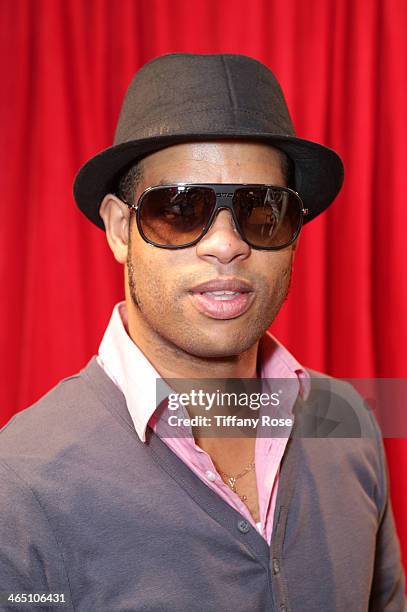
x: 183, y: 97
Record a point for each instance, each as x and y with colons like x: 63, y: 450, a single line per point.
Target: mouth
x: 223, y: 298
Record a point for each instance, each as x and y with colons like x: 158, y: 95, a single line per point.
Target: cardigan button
x: 243, y: 526
x: 276, y: 566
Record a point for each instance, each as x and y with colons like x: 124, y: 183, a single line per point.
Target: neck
x: 228, y: 454
x: 171, y: 362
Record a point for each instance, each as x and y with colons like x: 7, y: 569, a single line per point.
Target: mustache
x: 196, y: 278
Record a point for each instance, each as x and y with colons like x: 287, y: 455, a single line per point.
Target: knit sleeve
x: 30, y: 557
x: 388, y: 585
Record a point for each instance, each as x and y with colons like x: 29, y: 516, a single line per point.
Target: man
x: 202, y: 198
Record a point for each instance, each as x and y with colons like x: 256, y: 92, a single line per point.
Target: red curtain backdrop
x: 65, y: 65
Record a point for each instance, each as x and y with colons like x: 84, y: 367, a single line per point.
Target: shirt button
x: 243, y: 526
x: 276, y: 566
x: 210, y: 475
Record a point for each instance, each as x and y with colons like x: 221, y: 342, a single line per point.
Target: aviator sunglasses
x: 267, y: 217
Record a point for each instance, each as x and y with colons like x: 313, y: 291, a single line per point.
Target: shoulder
x: 59, y: 401
x: 340, y: 401
x: 48, y: 449
x: 337, y: 412
x: 59, y: 419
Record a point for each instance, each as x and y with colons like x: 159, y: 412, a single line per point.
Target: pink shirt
x: 135, y: 376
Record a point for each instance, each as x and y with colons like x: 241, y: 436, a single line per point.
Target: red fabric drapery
x: 65, y: 65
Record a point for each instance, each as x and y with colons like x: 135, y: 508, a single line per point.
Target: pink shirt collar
x: 136, y: 376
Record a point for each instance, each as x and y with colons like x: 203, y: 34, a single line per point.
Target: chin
x: 223, y: 345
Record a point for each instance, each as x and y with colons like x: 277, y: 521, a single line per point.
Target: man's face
x: 160, y: 280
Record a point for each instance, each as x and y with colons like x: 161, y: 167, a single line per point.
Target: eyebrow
x: 165, y: 181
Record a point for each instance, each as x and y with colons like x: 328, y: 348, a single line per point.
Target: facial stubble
x: 185, y: 337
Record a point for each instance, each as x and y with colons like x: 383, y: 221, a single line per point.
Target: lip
x: 223, y: 309
x: 225, y: 284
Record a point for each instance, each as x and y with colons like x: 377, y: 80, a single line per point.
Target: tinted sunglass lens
x: 175, y: 216
x: 268, y: 216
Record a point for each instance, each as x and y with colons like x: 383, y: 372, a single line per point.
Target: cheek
x: 150, y: 275
x: 160, y: 277
x: 273, y: 269
x: 155, y: 278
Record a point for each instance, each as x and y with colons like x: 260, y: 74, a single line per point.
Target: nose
x: 223, y: 242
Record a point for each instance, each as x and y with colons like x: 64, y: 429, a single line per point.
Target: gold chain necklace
x: 231, y: 480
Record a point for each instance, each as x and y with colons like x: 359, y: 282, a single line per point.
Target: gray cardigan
x: 88, y: 510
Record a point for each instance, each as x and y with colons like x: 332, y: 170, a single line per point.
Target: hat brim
x: 318, y: 170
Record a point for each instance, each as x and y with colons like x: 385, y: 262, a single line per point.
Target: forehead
x: 219, y: 161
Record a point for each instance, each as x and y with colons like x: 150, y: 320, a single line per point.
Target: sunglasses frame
x: 224, y: 195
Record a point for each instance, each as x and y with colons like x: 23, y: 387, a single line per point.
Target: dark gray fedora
x: 184, y: 97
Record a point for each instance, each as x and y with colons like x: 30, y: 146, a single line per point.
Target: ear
x: 116, y: 217
x: 295, y: 245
